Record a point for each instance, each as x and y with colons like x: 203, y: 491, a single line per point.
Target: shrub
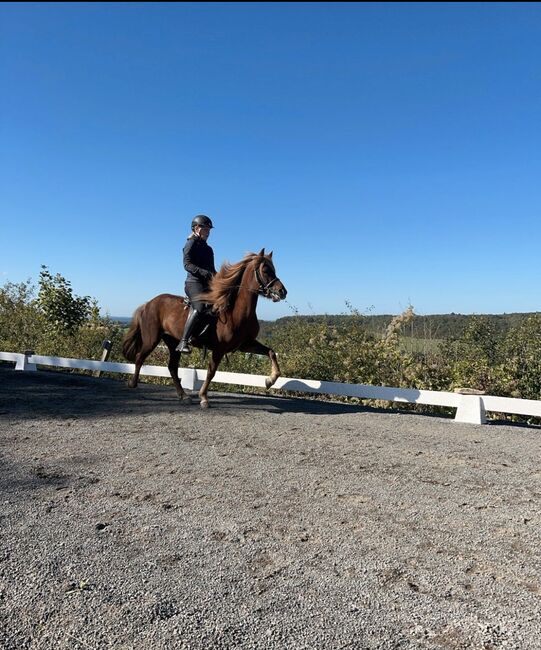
x: 56, y: 322
x: 21, y: 322
x: 474, y: 357
x: 520, y: 354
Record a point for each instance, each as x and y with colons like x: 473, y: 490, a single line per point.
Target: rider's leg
x: 193, y: 321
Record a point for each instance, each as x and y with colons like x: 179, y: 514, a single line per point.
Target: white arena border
x: 470, y: 408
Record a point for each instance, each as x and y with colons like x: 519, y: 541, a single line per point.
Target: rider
x: 199, y: 263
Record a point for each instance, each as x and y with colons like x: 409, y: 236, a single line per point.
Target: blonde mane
x: 225, y: 285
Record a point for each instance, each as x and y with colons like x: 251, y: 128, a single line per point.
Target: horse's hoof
x: 130, y: 384
x: 185, y: 399
x: 269, y: 382
x: 204, y: 405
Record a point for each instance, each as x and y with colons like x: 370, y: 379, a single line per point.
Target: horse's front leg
x: 211, y: 371
x: 174, y: 358
x: 255, y: 347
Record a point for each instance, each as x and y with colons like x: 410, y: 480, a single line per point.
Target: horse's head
x: 269, y: 285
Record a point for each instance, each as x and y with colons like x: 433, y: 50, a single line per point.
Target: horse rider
x: 199, y: 263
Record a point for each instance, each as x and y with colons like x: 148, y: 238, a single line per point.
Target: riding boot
x: 193, y: 320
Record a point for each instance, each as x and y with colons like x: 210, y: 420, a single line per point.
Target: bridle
x: 263, y: 289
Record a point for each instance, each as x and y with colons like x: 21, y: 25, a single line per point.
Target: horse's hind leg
x: 174, y: 358
x: 139, y: 360
x: 150, y: 339
x: 255, y: 347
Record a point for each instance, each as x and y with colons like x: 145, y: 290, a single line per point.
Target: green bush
x: 55, y: 322
x: 21, y: 322
x: 475, y: 357
x: 520, y: 360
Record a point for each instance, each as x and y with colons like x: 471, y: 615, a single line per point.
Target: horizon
x: 388, y: 153
x: 514, y: 313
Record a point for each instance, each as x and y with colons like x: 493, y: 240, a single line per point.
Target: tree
x: 63, y: 311
x: 476, y: 356
x: 521, y: 359
x: 20, y: 319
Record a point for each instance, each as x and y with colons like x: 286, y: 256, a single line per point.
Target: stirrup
x: 183, y: 347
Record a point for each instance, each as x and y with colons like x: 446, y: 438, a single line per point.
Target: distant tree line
x: 437, y: 326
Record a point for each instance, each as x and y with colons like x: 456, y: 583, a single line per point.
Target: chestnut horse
x: 233, y: 295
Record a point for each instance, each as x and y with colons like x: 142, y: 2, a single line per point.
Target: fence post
x: 188, y: 378
x: 470, y: 407
x: 106, y: 345
x: 23, y: 363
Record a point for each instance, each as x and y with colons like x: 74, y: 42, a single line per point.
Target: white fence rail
x: 469, y: 408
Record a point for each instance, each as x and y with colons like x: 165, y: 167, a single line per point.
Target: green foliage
x: 21, y: 322
x: 64, y: 313
x: 520, y: 360
x: 428, y: 328
x: 343, y: 352
x: 55, y: 323
x: 475, y: 357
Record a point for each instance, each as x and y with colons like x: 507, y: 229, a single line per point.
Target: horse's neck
x: 246, y: 302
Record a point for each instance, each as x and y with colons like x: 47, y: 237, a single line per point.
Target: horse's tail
x: 133, y: 340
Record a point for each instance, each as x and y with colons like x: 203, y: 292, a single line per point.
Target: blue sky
x: 387, y: 153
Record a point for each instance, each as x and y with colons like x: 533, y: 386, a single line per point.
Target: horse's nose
x: 283, y: 292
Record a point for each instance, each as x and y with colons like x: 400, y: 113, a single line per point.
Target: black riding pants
x: 193, y: 289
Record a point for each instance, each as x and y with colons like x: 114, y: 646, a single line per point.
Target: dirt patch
x: 130, y: 521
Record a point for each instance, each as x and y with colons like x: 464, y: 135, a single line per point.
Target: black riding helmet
x: 202, y: 220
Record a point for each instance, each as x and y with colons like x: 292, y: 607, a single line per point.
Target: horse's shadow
x: 69, y: 395
x: 64, y: 395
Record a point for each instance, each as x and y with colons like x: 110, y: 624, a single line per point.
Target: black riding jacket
x: 199, y: 262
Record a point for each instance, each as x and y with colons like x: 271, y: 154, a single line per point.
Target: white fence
x: 469, y: 408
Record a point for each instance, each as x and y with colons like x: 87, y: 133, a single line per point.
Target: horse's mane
x: 225, y: 285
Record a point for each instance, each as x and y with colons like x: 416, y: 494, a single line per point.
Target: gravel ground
x: 130, y: 521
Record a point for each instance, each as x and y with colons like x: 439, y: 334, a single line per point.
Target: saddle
x: 205, y: 332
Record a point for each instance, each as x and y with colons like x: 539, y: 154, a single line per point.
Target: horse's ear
x: 261, y: 252
x: 270, y: 255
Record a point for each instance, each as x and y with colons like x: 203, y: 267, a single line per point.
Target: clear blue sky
x: 387, y: 153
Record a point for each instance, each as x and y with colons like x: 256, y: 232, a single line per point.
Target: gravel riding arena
x: 131, y: 521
